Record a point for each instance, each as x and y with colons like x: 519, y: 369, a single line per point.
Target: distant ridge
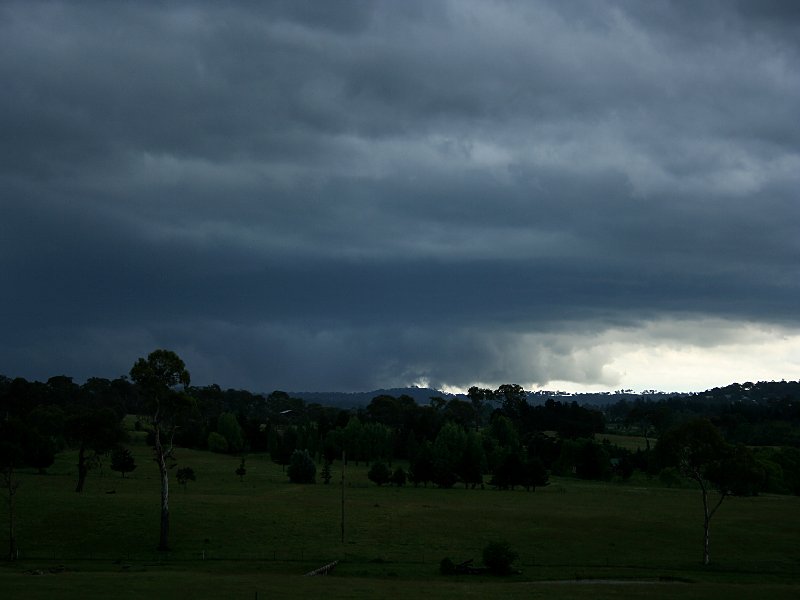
x: 361, y: 399
x: 423, y: 396
x: 760, y: 392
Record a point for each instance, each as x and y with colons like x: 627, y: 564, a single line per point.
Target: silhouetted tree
x: 386, y: 410
x: 422, y: 469
x: 47, y: 420
x: 470, y: 466
x: 592, y: 461
x: 353, y: 439
x: 448, y: 452
x: 514, y: 402
x: 40, y: 450
x: 122, y: 460
x: 509, y: 472
x: 478, y: 398
x: 534, y: 474
x: 95, y: 431
x: 460, y: 412
x: 160, y: 378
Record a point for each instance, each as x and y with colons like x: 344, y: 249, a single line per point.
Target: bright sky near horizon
x: 320, y: 196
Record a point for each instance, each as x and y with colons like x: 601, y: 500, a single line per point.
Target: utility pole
x: 343, y: 465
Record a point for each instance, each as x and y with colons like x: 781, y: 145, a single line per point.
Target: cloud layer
x: 316, y: 196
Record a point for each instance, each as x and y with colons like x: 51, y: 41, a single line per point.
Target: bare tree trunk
x: 706, y: 528
x: 344, y: 463
x: 706, y: 519
x: 163, y: 540
x: 707, y: 514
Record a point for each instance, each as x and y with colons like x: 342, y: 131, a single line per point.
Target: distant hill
x: 759, y: 393
x: 597, y: 399
x: 423, y: 395
x: 762, y: 392
x: 361, y: 399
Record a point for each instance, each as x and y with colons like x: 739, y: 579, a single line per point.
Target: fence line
x: 323, y: 570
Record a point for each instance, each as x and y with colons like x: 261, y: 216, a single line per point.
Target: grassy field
x: 629, y: 442
x: 234, y: 539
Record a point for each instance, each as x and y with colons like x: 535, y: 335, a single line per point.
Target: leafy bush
x: 446, y: 566
x: 398, y: 477
x: 498, y: 556
x: 217, y: 442
x: 301, y: 468
x: 184, y: 475
x: 670, y: 476
x: 379, y: 473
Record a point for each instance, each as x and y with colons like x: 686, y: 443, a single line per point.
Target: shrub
x: 326, y: 472
x: 184, y: 475
x: 301, y: 468
x: 217, y: 442
x: 398, y: 477
x: 670, y: 476
x: 498, y: 556
x: 446, y: 566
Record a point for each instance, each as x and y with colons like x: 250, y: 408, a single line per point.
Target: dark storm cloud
x: 354, y: 195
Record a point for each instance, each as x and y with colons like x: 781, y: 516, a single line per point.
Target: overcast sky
x: 344, y: 196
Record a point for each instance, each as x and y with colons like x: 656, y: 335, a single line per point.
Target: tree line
x: 446, y: 442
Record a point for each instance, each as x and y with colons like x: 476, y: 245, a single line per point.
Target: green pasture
x: 629, y: 442
x: 234, y: 539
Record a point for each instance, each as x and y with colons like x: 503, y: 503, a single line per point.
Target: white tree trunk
x: 163, y: 540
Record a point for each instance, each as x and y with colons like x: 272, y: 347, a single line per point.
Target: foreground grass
x: 239, y: 583
x: 233, y: 539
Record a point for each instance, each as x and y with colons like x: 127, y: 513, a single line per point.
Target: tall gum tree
x: 162, y: 379
x: 698, y: 450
